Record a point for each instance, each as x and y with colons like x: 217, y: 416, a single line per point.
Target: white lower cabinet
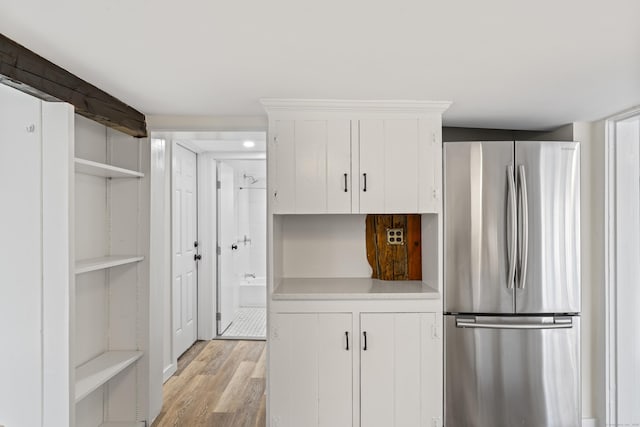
x: 311, y: 370
x: 313, y: 361
x: 400, y: 370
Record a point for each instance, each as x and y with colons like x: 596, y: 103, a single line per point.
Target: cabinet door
x: 284, y: 167
x: 313, y: 166
x: 430, y: 165
x: 372, y: 166
x: 389, y: 162
x: 339, y: 191
x: 401, y: 370
x: 311, y: 370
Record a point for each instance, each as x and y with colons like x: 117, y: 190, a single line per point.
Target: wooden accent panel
x: 28, y: 72
x: 394, y: 262
x: 414, y: 247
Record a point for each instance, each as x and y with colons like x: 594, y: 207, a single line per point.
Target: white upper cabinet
x: 313, y: 166
x: 355, y: 156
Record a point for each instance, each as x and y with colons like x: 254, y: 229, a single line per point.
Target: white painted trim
x: 169, y: 371
x: 589, y: 422
x: 207, y: 238
x: 237, y: 155
x: 169, y: 229
x: 609, y: 253
x: 610, y: 262
x: 272, y: 105
x: 162, y: 126
x: 57, y: 262
x: 158, y: 250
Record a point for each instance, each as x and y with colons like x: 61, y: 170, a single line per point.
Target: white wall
x: 591, y: 136
x: 206, y: 123
x: 338, y: 250
x: 258, y: 231
x: 251, y: 212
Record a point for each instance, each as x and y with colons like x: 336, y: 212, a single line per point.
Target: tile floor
x: 251, y: 322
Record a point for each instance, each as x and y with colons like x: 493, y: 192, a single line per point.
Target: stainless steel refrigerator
x: 512, y: 284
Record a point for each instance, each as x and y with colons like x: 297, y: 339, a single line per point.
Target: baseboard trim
x: 589, y: 422
x: 168, y: 372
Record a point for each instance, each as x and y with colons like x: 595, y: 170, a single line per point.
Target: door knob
x: 197, y: 257
x: 234, y: 247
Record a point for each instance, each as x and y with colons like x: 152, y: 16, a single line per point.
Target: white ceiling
x: 504, y: 63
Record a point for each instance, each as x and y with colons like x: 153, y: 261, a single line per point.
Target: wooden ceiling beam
x: 31, y: 73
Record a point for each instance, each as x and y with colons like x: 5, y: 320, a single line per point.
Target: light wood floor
x: 219, y: 383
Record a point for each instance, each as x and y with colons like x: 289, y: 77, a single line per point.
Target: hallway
x: 219, y: 383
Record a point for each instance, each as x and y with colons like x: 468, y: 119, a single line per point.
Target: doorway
x: 242, y: 239
x: 198, y: 241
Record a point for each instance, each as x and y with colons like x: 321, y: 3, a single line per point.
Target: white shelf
x: 352, y: 288
x: 93, y: 264
x: 98, y: 371
x: 89, y: 167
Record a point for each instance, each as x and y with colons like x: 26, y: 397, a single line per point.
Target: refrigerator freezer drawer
x: 512, y: 371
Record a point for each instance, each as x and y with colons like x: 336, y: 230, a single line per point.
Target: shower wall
x: 251, y: 229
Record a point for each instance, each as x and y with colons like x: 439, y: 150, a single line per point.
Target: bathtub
x: 253, y: 292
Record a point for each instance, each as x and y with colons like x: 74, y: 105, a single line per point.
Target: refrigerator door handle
x: 511, y: 180
x: 472, y: 323
x: 523, y: 238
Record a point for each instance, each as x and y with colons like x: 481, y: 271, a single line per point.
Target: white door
x: 311, y: 370
x: 185, y: 273
x: 228, y: 277
x: 400, y: 371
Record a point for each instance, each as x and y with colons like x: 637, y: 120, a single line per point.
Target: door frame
x: 166, y: 131
x: 610, y: 263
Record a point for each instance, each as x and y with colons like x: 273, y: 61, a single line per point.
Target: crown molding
x: 273, y: 105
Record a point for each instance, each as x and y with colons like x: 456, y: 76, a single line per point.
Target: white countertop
x: 352, y: 288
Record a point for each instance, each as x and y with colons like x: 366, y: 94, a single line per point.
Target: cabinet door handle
x: 346, y: 336
x: 364, y: 175
x: 365, y: 341
x: 345, y: 182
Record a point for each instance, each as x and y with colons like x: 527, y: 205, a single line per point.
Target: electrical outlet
x: 395, y: 236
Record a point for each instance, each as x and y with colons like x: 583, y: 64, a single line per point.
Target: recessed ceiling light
x: 249, y: 144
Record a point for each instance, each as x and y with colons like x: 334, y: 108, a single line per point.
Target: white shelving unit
x: 100, y: 263
x: 89, y: 167
x: 110, y: 311
x: 98, y: 371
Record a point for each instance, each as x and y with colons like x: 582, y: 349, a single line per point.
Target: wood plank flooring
x: 218, y: 383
